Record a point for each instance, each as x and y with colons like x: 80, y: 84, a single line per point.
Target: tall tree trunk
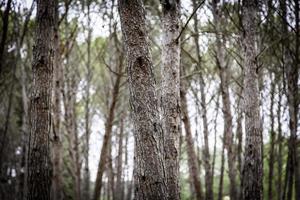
x: 291, y: 77
x: 108, y: 132
x: 171, y: 94
x: 206, y: 153
x: 279, y: 141
x: 119, y: 193
x: 220, y: 194
x: 149, y: 169
x: 192, y: 158
x: 295, y: 78
x: 224, y: 76
x: 252, y: 172
x: 5, y: 22
x: 272, y: 141
x: 57, y: 192
x: 86, y: 181
x: 39, y: 164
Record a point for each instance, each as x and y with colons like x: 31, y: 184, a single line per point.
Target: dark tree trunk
x: 39, y: 161
x: 5, y: 22
x: 252, y: 172
x: 149, y: 169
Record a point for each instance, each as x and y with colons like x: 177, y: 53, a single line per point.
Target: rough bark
x: 149, y: 169
x: 252, y: 171
x: 192, y: 158
x: 39, y: 164
x: 171, y: 94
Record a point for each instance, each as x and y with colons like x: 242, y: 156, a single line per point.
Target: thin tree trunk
x: 220, y: 194
x: 206, y: 153
x: 149, y: 169
x: 39, y: 164
x: 279, y: 141
x: 107, y: 134
x: 86, y: 181
x: 295, y: 77
x: 192, y: 158
x: 119, y: 194
x: 171, y: 94
x: 5, y: 23
x: 252, y: 172
x: 57, y: 192
x: 224, y: 76
x: 272, y: 141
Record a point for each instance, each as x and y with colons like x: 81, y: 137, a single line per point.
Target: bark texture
x: 149, y: 169
x: 171, y: 94
x: 39, y: 164
x: 252, y: 172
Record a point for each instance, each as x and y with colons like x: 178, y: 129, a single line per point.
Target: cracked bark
x: 171, y: 94
x: 252, y: 171
x: 149, y: 169
x: 39, y: 164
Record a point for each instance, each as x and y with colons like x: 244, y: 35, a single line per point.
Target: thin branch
x: 189, y: 19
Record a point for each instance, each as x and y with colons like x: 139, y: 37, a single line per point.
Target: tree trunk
x: 291, y: 77
x: 5, y: 22
x: 57, y: 192
x: 86, y: 175
x: 107, y: 134
x: 272, y: 141
x: 224, y: 77
x: 220, y: 194
x: 171, y: 94
x: 39, y: 164
x: 149, y: 169
x: 192, y: 158
x: 119, y: 193
x: 252, y: 172
x: 206, y: 153
x: 279, y: 141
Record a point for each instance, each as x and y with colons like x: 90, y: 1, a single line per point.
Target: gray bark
x: 252, y: 171
x: 149, y: 169
x: 171, y: 94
